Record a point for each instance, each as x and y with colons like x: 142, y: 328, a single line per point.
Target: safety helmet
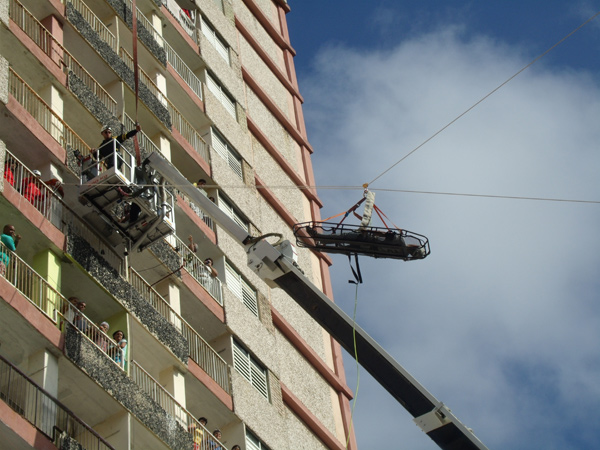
x: 37, y: 173
x: 107, y: 127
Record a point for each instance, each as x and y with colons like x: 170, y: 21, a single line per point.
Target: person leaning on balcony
x: 104, y: 151
x: 120, y: 357
x: 10, y: 240
x: 215, y: 445
x: 9, y: 174
x: 30, y: 188
x: 101, y: 340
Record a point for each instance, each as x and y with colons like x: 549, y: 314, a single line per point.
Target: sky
x: 502, y: 321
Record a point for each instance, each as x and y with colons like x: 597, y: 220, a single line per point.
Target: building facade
x: 216, y: 96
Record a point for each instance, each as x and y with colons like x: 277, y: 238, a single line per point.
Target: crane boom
x: 277, y: 269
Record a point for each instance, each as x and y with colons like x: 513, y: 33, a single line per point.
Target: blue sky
x: 502, y: 321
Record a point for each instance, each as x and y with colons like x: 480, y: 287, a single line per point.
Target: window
x: 242, y: 290
x: 250, y: 369
x: 221, y: 93
x: 227, y: 152
x: 253, y: 443
x: 217, y: 41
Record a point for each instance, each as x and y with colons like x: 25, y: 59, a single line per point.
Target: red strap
x: 379, y: 212
x: 136, y: 77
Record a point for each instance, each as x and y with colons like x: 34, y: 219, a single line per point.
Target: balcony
x: 47, y: 414
x: 159, y: 394
x: 98, y: 364
x: 199, y: 350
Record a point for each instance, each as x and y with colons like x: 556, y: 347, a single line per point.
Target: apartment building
x: 216, y: 96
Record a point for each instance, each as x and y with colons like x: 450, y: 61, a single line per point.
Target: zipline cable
x: 484, y: 98
x: 406, y: 191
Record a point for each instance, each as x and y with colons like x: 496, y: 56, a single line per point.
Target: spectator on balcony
x: 208, y: 264
x: 197, y: 433
x: 119, y: 350
x: 79, y: 320
x: 192, y: 245
x: 200, y: 185
x: 215, y: 444
x: 31, y: 188
x: 105, y: 150
x: 56, y: 186
x: 9, y: 174
x: 10, y: 240
x: 101, y: 340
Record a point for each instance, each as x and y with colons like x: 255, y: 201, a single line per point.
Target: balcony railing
x: 205, y: 356
x: 199, y: 211
x: 96, y: 24
x: 184, y: 71
x: 43, y: 411
x: 70, y: 313
x: 200, y: 351
x: 43, y: 114
x: 49, y: 204
x: 29, y: 283
x: 52, y: 303
x: 187, y: 23
x: 160, y: 395
x: 55, y: 50
x: 198, y: 270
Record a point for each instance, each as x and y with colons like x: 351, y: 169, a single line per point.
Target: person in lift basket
x: 106, y: 148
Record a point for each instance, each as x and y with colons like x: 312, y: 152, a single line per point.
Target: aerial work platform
x: 377, y: 242
x: 131, y: 200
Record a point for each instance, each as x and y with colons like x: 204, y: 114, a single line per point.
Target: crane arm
x: 278, y: 269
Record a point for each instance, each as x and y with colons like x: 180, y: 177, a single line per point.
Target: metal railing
x: 199, y: 211
x: 96, y: 24
x: 43, y: 114
x: 52, y: 303
x: 198, y: 270
x: 206, y: 357
x: 44, y: 411
x: 160, y: 395
x: 187, y: 23
x: 184, y: 71
x: 49, y: 204
x: 29, y: 283
x: 199, y: 350
x: 55, y: 50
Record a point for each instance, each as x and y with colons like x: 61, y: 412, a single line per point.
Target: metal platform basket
x: 377, y: 242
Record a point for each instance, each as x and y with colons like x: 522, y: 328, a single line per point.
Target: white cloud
x: 501, y: 322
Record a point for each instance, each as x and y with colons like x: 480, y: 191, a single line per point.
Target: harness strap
x: 380, y: 212
x: 356, y: 273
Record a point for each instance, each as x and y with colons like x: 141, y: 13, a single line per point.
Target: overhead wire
x: 485, y: 97
x: 406, y: 191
